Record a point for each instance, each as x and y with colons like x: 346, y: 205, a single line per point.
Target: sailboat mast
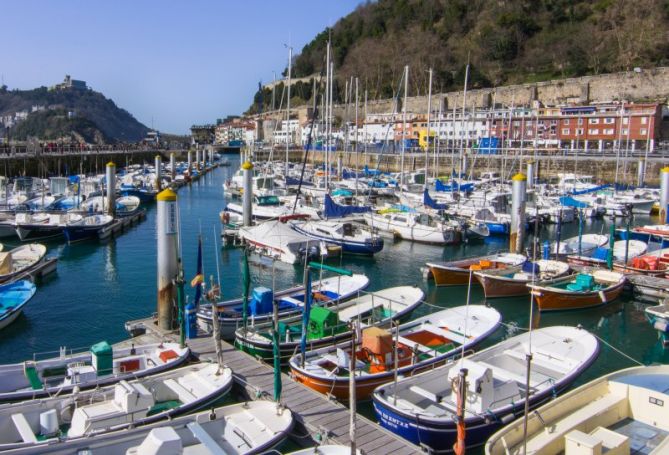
x: 288, y: 132
x: 427, y: 138
x: 357, y: 163
x: 462, y: 118
x: 326, y: 112
x: 404, y: 124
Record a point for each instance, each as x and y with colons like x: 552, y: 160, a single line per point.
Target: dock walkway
x: 313, y: 412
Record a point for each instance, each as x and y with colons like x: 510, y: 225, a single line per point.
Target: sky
x: 170, y: 63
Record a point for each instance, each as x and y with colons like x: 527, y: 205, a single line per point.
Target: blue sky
x: 178, y: 62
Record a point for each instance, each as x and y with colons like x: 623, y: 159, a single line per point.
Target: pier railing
x: 8, y: 151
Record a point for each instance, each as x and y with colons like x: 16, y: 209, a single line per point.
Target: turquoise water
x: 100, y: 286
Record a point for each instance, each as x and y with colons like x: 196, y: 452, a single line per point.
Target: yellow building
x: 422, y: 137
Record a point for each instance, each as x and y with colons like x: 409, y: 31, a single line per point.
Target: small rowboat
x: 127, y: 404
x: 253, y: 427
x: 331, y: 326
x: 658, y: 316
x: 456, y: 273
x: 621, y: 249
x: 326, y: 292
x: 423, y: 408
x: 502, y: 283
x: 589, y: 242
x: 21, y: 260
x: 100, y: 366
x: 582, y: 290
x: 13, y: 297
x: 655, y: 263
x: 623, y: 412
x: 420, y: 345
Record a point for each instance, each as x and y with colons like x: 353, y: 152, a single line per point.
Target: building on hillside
x: 235, y: 131
x: 202, y: 134
x: 69, y: 83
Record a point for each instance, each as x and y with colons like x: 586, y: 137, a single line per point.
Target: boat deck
x: 314, y: 413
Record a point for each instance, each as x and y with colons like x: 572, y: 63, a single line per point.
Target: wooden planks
x: 312, y: 410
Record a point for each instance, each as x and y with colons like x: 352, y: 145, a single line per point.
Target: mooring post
x: 110, y: 180
x: 247, y: 196
x: 519, y: 196
x: 167, y: 230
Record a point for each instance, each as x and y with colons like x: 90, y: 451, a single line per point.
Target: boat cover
x: 334, y: 210
x: 569, y: 201
x: 427, y: 200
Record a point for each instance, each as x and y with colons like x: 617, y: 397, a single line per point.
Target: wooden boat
x: 582, y: 290
x: 456, y: 273
x: 126, y: 404
x: 13, y: 297
x: 620, y: 413
x: 589, y: 242
x: 327, y: 292
x: 20, y: 260
x: 328, y: 326
x: 502, y: 283
x: 621, y: 248
x: 253, y: 427
x: 422, y: 344
x: 100, y: 366
x: 422, y: 408
x: 658, y: 316
x: 655, y: 263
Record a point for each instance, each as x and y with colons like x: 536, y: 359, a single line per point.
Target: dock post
x: 198, y: 159
x: 173, y: 166
x: 190, y: 163
x: 530, y: 174
x: 166, y: 220
x: 640, y: 172
x: 463, y: 169
x: 664, y: 194
x: 517, y: 232
x: 247, y: 196
x: 159, y: 173
x: 110, y: 180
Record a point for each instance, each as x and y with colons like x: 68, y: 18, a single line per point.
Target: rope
x: 619, y: 351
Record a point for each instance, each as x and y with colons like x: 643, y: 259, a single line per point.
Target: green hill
x: 507, y: 41
x: 114, y: 123
x: 55, y: 124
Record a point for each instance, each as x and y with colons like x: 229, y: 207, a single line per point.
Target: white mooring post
x: 168, y: 251
x: 664, y: 193
x: 110, y: 180
x: 519, y: 196
x: 247, y: 196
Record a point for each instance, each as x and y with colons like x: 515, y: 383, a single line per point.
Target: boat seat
x: 252, y: 430
x: 182, y: 393
x: 23, y: 427
x: 414, y: 344
x: 197, y: 384
x: 506, y: 375
x: 446, y: 333
x: 205, y: 438
x: 292, y: 301
x: 539, y: 361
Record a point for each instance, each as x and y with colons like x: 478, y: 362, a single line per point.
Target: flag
x: 198, y: 280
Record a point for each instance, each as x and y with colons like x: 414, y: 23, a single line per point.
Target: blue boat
x: 13, y: 297
x: 422, y: 408
x: 144, y: 194
x: 86, y: 228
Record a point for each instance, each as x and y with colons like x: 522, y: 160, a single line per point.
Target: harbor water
x: 99, y: 286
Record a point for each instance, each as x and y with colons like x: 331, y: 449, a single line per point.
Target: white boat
x: 621, y: 413
x: 352, y: 237
x: 277, y: 240
x: 327, y: 292
x: 101, y: 366
x: 42, y: 225
x: 240, y: 429
x: 423, y: 408
x: 20, y: 260
x: 589, y: 242
x: 417, y: 227
x: 86, y: 228
x: 123, y: 405
x: 658, y: 316
x: 264, y: 207
x: 622, y: 249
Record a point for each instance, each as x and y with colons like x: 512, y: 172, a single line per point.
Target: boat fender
x: 602, y: 296
x: 507, y: 418
x: 662, y: 326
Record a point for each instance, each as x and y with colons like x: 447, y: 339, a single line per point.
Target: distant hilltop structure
x: 69, y: 83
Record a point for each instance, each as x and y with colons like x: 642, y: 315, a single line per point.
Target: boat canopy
x: 334, y: 210
x: 427, y: 200
x: 591, y: 190
x: 569, y: 201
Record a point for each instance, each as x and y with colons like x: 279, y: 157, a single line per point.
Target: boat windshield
x: 268, y: 200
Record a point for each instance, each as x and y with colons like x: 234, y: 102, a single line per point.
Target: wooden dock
x: 315, y: 414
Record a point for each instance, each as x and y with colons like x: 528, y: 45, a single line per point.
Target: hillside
x: 114, y: 123
x: 507, y: 41
x: 55, y: 124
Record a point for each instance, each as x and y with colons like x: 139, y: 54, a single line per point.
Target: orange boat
x: 421, y: 345
x: 456, y: 273
x: 501, y: 283
x: 582, y: 290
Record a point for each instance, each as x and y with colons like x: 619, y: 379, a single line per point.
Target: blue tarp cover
x: 427, y: 200
x: 569, y: 201
x: 334, y: 210
x: 591, y: 190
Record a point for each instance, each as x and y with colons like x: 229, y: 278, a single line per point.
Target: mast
x: 404, y: 124
x: 288, y: 132
x: 357, y: 158
x: 326, y: 113
x: 429, y: 112
x: 462, y: 119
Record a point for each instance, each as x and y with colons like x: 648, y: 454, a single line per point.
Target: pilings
x: 110, y: 180
x: 173, y: 166
x: 664, y: 193
x: 530, y: 174
x: 190, y: 162
x: 167, y: 234
x: 247, y: 203
x: 159, y: 173
x: 517, y: 228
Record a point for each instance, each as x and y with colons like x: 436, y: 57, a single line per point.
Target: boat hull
x: 10, y: 317
x: 450, y: 276
x: 554, y: 300
x: 498, y: 287
x: 79, y: 233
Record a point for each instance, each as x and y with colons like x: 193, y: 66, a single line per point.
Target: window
x: 626, y: 120
x: 566, y: 131
x: 643, y: 131
x: 529, y: 123
x: 579, y: 131
x: 644, y: 120
x: 553, y: 122
x: 593, y: 131
x: 566, y: 121
x: 580, y: 121
x: 625, y: 132
x: 609, y: 131
x: 609, y: 120
x: 594, y: 121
